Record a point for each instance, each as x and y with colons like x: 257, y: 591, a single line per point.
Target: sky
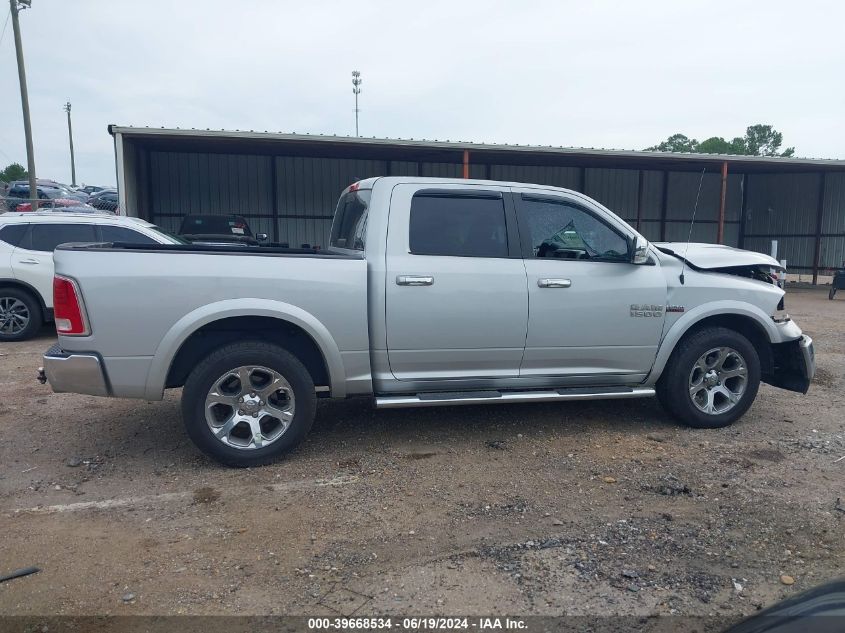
x: 614, y: 74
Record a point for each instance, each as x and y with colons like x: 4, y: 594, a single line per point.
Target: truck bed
x: 143, y: 301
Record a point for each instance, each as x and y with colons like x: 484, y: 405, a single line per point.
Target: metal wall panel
x: 617, y: 189
x: 832, y: 254
x: 652, y: 196
x: 679, y: 231
x: 797, y: 251
x: 651, y: 230
x: 833, y: 220
x: 782, y: 204
x: 566, y: 177
x: 442, y: 170
x: 172, y: 184
x: 404, y: 168
x: 307, y: 190
x: 185, y: 183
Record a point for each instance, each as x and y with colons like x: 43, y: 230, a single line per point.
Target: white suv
x: 27, y: 241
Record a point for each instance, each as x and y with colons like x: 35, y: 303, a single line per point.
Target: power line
x: 5, y: 24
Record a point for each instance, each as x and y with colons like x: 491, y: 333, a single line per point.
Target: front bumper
x: 794, y: 365
x: 75, y: 372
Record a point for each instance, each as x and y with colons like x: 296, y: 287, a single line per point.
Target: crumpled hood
x: 710, y: 256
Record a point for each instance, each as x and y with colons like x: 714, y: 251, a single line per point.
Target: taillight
x: 68, y: 311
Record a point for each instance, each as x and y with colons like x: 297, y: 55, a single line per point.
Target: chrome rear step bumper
x: 495, y: 397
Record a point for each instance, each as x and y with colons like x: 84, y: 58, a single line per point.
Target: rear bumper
x: 794, y: 365
x: 75, y: 372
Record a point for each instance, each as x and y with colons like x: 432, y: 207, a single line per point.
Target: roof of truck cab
x: 368, y: 183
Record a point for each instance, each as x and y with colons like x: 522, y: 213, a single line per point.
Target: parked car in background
x: 58, y: 204
x: 434, y: 291
x: 89, y: 189
x: 27, y: 241
x: 105, y: 200
x: 219, y: 229
x: 58, y: 189
x: 19, y: 193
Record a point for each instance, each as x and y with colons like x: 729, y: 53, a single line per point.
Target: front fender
x: 191, y: 322
x: 714, y: 308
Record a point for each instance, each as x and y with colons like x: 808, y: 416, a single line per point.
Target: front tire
x: 20, y: 315
x: 711, y: 379
x: 248, y: 403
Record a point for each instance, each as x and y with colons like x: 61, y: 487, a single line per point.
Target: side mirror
x: 261, y: 237
x: 639, y: 251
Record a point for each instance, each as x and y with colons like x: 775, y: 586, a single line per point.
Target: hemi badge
x: 675, y: 308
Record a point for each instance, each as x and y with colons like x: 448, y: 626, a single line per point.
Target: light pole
x: 16, y: 5
x: 356, y: 88
x: 66, y: 108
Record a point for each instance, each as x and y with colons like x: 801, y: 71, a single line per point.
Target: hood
x: 712, y: 256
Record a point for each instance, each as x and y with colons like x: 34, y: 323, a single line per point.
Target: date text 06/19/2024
x: 416, y: 623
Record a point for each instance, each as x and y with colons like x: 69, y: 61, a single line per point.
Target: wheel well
x: 746, y: 326
x: 32, y: 292
x: 213, y: 335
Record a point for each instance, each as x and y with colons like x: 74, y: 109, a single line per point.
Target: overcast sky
x: 620, y: 74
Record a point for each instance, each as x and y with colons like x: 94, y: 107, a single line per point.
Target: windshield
x: 215, y: 225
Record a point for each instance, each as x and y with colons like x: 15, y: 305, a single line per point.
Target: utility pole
x: 356, y: 88
x: 27, y: 126
x: 66, y: 108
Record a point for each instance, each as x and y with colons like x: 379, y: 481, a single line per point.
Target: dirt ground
x: 581, y: 508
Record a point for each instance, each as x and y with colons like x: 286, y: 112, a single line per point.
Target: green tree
x: 764, y: 140
x: 675, y: 143
x: 718, y: 145
x: 759, y: 140
x: 14, y: 171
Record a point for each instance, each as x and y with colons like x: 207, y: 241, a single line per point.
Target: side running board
x: 435, y: 399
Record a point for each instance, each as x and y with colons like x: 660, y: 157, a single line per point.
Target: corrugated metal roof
x: 129, y: 131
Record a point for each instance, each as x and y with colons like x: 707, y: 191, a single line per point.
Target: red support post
x: 466, y: 163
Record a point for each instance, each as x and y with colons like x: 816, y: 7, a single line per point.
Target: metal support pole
x: 819, y: 213
x: 640, y: 194
x: 466, y: 163
x: 70, y: 138
x: 720, y: 230
x: 664, y: 204
x: 27, y: 126
x: 743, y: 212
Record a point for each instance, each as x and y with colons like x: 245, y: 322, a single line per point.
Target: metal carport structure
x: 286, y: 185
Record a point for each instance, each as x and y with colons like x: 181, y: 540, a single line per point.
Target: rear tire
x: 711, y: 378
x: 20, y: 315
x: 248, y: 403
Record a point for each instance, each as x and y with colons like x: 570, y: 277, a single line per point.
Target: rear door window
x: 13, y: 234
x: 458, y: 225
x: 46, y: 237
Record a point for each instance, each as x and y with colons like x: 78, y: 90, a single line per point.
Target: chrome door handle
x: 554, y: 283
x: 28, y: 261
x: 414, y: 280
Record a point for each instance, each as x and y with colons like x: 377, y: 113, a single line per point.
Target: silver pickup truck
x: 433, y: 292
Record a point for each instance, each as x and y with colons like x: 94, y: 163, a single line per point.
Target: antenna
x: 692, y: 222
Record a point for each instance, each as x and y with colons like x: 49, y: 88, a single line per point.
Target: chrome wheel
x: 249, y: 407
x: 718, y: 380
x: 14, y: 315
